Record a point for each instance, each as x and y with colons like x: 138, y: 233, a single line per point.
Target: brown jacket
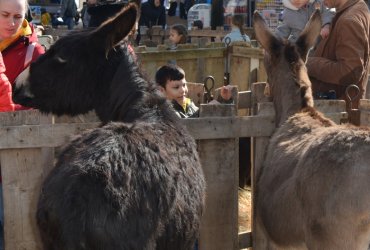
x: 343, y: 58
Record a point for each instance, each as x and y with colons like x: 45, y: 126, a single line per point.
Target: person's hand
x: 226, y: 92
x: 325, y: 30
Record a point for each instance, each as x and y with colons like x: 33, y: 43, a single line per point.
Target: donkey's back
x: 320, y: 177
x: 136, y: 186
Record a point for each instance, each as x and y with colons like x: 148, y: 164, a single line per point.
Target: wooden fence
x: 28, y: 140
x: 246, y: 63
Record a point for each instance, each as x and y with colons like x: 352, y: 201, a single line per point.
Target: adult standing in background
x: 343, y: 58
x: 69, y: 11
x: 18, y: 48
x: 152, y: 13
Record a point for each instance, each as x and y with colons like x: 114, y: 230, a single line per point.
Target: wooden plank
x: 330, y: 106
x: 245, y: 100
x: 89, y: 117
x: 364, y: 104
x: 365, y: 118
x: 54, y: 135
x: 190, y: 66
x: 239, y: 71
x: 189, y: 59
x: 338, y: 117
x: 33, y: 136
x: 24, y: 117
x: 196, y: 92
x: 216, y: 67
x: 183, y: 54
x: 245, y: 240
x: 219, y: 226
x: 207, y: 33
x: 249, y: 52
x: 261, y: 73
x: 244, y: 60
x: 259, y: 147
x: 22, y: 172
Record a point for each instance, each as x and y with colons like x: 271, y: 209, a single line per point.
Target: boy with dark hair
x: 171, y: 81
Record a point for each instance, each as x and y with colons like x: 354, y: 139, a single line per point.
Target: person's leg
x: 182, y: 11
x: 172, y: 9
x: 69, y: 21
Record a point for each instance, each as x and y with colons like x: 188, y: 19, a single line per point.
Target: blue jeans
x: 69, y: 21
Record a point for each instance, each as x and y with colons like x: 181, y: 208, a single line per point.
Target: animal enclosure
x: 24, y: 169
x: 29, y: 139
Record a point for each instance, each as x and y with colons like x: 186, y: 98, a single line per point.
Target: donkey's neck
x: 291, y: 95
x: 133, y: 98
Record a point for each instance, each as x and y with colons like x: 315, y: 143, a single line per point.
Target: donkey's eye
x: 60, y: 60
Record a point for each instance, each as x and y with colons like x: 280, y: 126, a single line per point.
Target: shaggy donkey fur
x: 135, y: 183
x: 313, y: 188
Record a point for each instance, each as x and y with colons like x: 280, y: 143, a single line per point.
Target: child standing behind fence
x: 237, y: 32
x: 178, y: 35
x: 297, y: 13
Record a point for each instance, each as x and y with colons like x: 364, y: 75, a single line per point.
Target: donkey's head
x: 78, y: 72
x: 285, y: 66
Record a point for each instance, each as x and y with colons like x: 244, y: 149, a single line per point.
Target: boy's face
x: 176, y: 90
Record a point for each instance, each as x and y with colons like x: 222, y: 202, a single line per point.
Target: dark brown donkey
x: 135, y: 183
x: 313, y: 191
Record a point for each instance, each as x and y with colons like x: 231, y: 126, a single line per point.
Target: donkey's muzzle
x: 21, y: 90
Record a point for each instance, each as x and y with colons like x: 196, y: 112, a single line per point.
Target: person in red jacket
x: 18, y: 47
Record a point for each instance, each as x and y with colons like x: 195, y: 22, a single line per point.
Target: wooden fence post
x: 219, y: 227
x: 22, y: 173
x: 259, y: 147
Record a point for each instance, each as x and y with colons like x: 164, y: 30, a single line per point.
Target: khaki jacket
x: 343, y: 58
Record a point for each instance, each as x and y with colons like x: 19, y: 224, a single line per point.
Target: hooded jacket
x: 152, y: 15
x: 294, y: 19
x: 343, y: 58
x: 15, y: 61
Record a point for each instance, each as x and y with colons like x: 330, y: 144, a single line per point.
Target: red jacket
x: 14, y: 59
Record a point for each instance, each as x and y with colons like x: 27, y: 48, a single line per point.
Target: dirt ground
x: 245, y: 210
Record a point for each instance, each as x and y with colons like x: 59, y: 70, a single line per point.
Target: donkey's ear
x: 263, y: 34
x: 308, y: 37
x: 114, y: 30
